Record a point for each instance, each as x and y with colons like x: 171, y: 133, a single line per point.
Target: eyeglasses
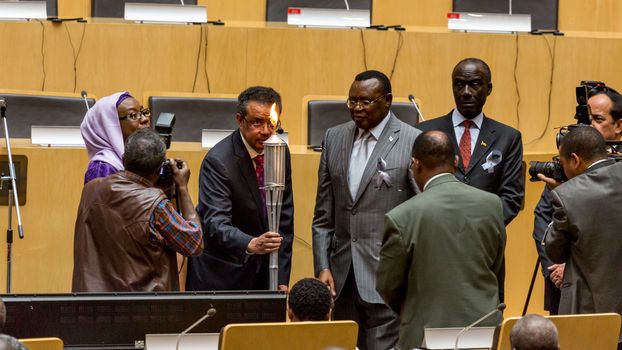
x: 260, y: 124
x: 363, y: 103
x: 134, y: 116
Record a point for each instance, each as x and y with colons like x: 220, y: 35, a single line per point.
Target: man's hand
x: 180, y: 176
x: 326, y: 277
x: 283, y: 288
x: 550, y: 183
x: 266, y: 243
x: 557, y: 274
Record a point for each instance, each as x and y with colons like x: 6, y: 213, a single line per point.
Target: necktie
x: 465, y: 144
x: 260, y: 177
x: 358, y: 161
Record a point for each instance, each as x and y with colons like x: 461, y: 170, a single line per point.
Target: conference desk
x: 43, y: 260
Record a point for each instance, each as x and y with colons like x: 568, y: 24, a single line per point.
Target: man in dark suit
x: 448, y: 220
x: 585, y: 235
x: 232, y: 205
x: 606, y: 110
x: 490, y: 153
x: 363, y: 174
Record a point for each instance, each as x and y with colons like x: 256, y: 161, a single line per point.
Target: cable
x: 206, y: 75
x: 516, y: 85
x: 75, y: 54
x: 42, y: 54
x: 305, y: 243
x: 364, y: 50
x: 552, y: 54
x: 196, y: 69
x: 400, y: 43
x: 347, y: 5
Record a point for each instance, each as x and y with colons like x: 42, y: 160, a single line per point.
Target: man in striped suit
x: 364, y: 173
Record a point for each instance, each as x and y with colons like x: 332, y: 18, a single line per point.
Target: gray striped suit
x: 347, y: 232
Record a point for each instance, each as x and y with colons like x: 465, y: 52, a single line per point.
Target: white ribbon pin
x: 382, y: 174
x: 493, y: 158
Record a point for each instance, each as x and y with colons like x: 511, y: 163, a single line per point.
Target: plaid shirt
x: 170, y: 228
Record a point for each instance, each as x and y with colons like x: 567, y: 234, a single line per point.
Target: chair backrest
x: 324, y: 112
x: 292, y: 335
x: 276, y: 10
x: 116, y: 8
x: 27, y: 108
x: 43, y: 343
x: 575, y: 332
x: 194, y: 112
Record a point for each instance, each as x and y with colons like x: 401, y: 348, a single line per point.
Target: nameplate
x: 445, y: 338
x: 22, y: 10
x: 331, y: 18
x: 67, y: 136
x: 488, y: 22
x: 165, y: 13
x: 210, y: 137
x: 190, y: 341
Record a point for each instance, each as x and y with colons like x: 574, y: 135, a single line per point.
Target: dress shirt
x: 457, y: 120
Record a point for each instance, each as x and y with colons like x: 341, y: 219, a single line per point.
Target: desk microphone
x: 499, y: 308
x: 412, y: 100
x: 84, y: 96
x: 2, y: 105
x: 210, y: 313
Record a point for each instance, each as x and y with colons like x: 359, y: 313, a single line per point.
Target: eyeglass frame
x: 362, y: 103
x: 259, y: 125
x: 144, y: 112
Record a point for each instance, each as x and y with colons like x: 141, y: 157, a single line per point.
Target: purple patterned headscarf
x: 101, y: 131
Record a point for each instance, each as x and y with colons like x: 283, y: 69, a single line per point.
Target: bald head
x: 434, y: 150
x: 534, y: 332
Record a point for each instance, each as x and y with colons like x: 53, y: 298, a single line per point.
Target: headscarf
x: 101, y: 131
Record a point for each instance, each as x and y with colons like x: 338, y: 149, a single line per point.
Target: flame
x: 274, y: 116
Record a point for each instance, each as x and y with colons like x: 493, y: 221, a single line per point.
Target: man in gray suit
x: 363, y: 173
x: 442, y: 249
x: 585, y: 233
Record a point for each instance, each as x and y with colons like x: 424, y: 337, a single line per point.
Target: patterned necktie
x: 358, y: 161
x: 260, y: 177
x: 465, y: 144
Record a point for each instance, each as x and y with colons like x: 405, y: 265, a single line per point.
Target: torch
x: 274, y: 184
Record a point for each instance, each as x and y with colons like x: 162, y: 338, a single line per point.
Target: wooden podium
x: 293, y: 335
x: 576, y: 332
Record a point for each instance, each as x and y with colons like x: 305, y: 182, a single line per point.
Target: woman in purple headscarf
x: 105, y: 128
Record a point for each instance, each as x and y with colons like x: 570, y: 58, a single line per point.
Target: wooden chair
x: 43, y: 343
x: 292, y: 335
x: 576, y: 332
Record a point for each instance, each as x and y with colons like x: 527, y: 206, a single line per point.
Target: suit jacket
x: 586, y: 236
x: 507, y: 180
x: 440, y: 259
x: 231, y: 211
x: 348, y: 231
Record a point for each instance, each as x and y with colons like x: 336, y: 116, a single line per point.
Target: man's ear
x: 575, y: 161
x: 239, y: 119
x: 290, y: 315
x: 617, y: 126
x: 456, y: 160
x: 489, y: 88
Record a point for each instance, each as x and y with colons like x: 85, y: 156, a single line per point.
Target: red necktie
x: 260, y: 179
x: 465, y: 144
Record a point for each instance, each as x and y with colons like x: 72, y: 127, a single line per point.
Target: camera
x: 166, y: 173
x: 552, y: 169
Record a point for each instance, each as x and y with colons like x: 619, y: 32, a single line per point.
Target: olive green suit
x: 440, y: 258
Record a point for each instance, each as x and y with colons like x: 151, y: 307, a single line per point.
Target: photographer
x: 127, y: 231
x: 605, y: 111
x: 584, y: 234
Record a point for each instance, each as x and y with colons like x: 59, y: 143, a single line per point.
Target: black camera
x: 552, y: 169
x: 164, y: 127
x: 166, y: 173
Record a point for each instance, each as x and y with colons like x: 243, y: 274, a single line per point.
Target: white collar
x: 457, y: 118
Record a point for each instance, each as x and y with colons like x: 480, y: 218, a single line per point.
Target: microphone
x: 412, y: 100
x: 210, y: 313
x: 347, y: 5
x: 499, y: 308
x: 84, y: 96
x: 2, y: 105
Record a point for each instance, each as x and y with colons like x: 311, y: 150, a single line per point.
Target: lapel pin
x: 484, y: 144
x: 390, y: 138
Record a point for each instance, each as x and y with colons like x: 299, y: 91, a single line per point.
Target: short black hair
x: 434, y: 149
x: 310, y: 300
x: 478, y: 61
x: 584, y: 141
x: 145, y: 152
x: 374, y: 74
x: 616, y: 102
x: 262, y: 94
x: 534, y: 332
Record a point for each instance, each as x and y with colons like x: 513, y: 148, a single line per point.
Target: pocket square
x: 382, y: 176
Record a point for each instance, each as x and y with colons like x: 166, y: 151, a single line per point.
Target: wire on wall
x: 364, y: 49
x: 196, y: 68
x: 516, y: 84
x: 552, y: 53
x: 398, y: 48
x: 209, y: 90
x: 42, y: 54
x: 76, y: 55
